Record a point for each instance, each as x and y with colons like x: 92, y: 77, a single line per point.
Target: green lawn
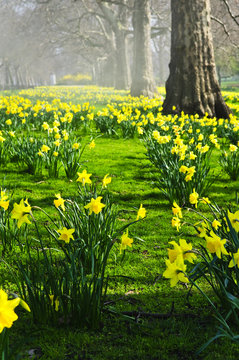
x: 135, y: 282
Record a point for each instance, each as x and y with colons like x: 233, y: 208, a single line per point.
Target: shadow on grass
x: 155, y: 197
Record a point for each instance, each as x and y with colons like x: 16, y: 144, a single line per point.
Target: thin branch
x: 115, y: 2
x: 234, y: 17
x: 225, y: 30
x: 103, y: 28
x: 221, y: 23
x: 157, y: 31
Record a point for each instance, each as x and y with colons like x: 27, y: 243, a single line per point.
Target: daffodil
x: 192, y: 156
x: 92, y: 145
x: 125, y: 241
x: 57, y: 143
x: 204, y: 149
x: 20, y: 212
x: 216, y: 245
x: 106, y: 181
x: 235, y: 260
x: 95, y: 205
x: 183, y: 169
x: 182, y: 249
x: 177, y: 210
x: 193, y: 198
x: 234, y: 219
x: 141, y: 212
x: 66, y: 234
x: 233, y: 148
x: 11, y: 133
x: 45, y: 148
x: 216, y: 224
x: 205, y: 200
x: 59, y: 202
x: 175, y: 271
x: 84, y: 177
x: 75, y: 146
x: 45, y: 126
x: 202, y: 229
x: 188, y: 177
x: 7, y: 314
x: 4, y: 202
x: 176, y: 222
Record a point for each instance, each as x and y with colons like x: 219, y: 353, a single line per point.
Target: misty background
x: 48, y: 42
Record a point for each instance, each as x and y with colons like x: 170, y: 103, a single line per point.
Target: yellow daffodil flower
x: 183, y: 250
x: 66, y: 234
x: 84, y: 177
x: 141, y: 212
x: 193, y: 198
x: 176, y: 222
x: 95, y: 205
x: 233, y: 148
x: 45, y: 148
x: 216, y: 224
x: 7, y: 314
x: 59, y: 202
x: 175, y: 271
x: 216, y: 245
x: 75, y: 146
x: 20, y: 212
x: 234, y: 219
x: 4, y: 202
x: 106, y: 181
x: 92, y: 145
x: 235, y: 260
x: 177, y: 210
x: 205, y: 200
x: 125, y: 241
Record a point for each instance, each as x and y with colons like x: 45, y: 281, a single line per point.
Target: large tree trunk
x: 142, y: 73
x: 192, y: 85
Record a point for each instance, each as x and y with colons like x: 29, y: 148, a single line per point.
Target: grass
x: 134, y: 284
x: 230, y: 85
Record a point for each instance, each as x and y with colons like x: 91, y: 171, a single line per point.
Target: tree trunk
x: 142, y: 73
x: 117, y: 23
x: 121, y: 61
x: 105, y: 71
x: 192, y: 85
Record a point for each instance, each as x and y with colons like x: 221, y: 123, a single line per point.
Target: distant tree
x: 142, y: 73
x: 116, y: 14
x: 192, y: 85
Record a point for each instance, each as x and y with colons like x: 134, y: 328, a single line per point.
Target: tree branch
x: 234, y: 17
x: 221, y: 23
x: 225, y: 30
x: 115, y: 2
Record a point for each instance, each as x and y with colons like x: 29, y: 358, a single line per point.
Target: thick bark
x: 192, y: 85
x: 142, y: 73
